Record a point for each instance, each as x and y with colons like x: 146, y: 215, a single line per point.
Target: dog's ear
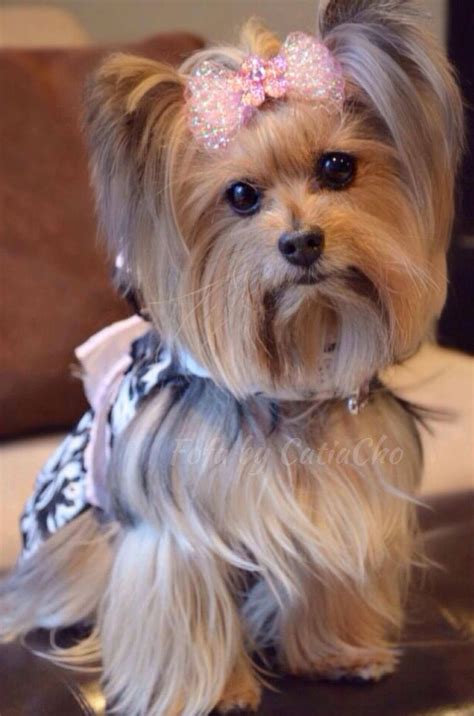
x: 132, y: 107
x: 391, y: 60
x: 395, y: 68
x: 337, y: 12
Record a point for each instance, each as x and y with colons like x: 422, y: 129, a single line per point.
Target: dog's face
x: 302, y: 241
x: 307, y: 254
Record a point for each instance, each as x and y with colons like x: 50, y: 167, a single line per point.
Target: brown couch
x: 55, y: 282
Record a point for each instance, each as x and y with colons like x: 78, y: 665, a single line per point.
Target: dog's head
x: 317, y: 230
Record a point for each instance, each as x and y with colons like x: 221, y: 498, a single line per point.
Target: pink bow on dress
x: 220, y: 100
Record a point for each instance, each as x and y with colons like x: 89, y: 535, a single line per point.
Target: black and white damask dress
x: 121, y: 366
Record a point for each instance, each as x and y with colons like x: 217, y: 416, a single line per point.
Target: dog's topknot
x: 256, y: 38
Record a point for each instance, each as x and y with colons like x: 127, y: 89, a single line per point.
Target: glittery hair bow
x: 220, y: 100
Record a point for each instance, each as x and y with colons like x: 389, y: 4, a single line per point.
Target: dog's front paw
x: 358, y: 665
x: 241, y: 693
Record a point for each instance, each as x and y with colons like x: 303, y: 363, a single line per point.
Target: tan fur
x: 63, y: 584
x: 215, y: 561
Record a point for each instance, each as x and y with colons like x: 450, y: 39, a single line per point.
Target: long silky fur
x: 64, y: 582
x: 197, y: 527
x: 209, y: 560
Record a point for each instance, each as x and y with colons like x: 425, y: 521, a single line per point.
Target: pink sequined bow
x: 220, y: 101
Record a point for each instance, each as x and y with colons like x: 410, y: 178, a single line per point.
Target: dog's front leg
x: 347, y: 613
x: 346, y: 620
x: 171, y: 637
x: 341, y: 631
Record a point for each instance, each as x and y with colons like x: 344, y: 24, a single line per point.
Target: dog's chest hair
x: 207, y: 467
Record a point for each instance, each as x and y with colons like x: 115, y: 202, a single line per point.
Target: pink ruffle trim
x: 104, y: 359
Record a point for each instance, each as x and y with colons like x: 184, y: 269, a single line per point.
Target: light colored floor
x: 435, y: 377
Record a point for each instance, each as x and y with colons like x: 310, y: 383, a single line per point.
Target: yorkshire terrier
x: 282, y: 211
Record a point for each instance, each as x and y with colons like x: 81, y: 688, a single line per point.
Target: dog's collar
x: 355, y: 401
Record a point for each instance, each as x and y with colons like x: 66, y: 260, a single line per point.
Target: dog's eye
x: 243, y: 197
x: 336, y: 170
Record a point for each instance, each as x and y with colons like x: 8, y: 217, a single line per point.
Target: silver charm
x: 357, y: 400
x: 353, y: 403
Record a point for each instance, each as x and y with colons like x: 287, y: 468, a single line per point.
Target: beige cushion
x: 20, y: 461
x: 442, y: 380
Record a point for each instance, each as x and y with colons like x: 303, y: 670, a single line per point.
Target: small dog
x: 282, y: 210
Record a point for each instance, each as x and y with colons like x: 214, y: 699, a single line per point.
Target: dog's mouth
x: 352, y: 277
x: 309, y: 277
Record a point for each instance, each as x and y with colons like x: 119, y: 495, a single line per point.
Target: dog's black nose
x: 302, y: 248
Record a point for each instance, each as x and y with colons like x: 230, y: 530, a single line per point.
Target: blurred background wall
x: 111, y: 20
